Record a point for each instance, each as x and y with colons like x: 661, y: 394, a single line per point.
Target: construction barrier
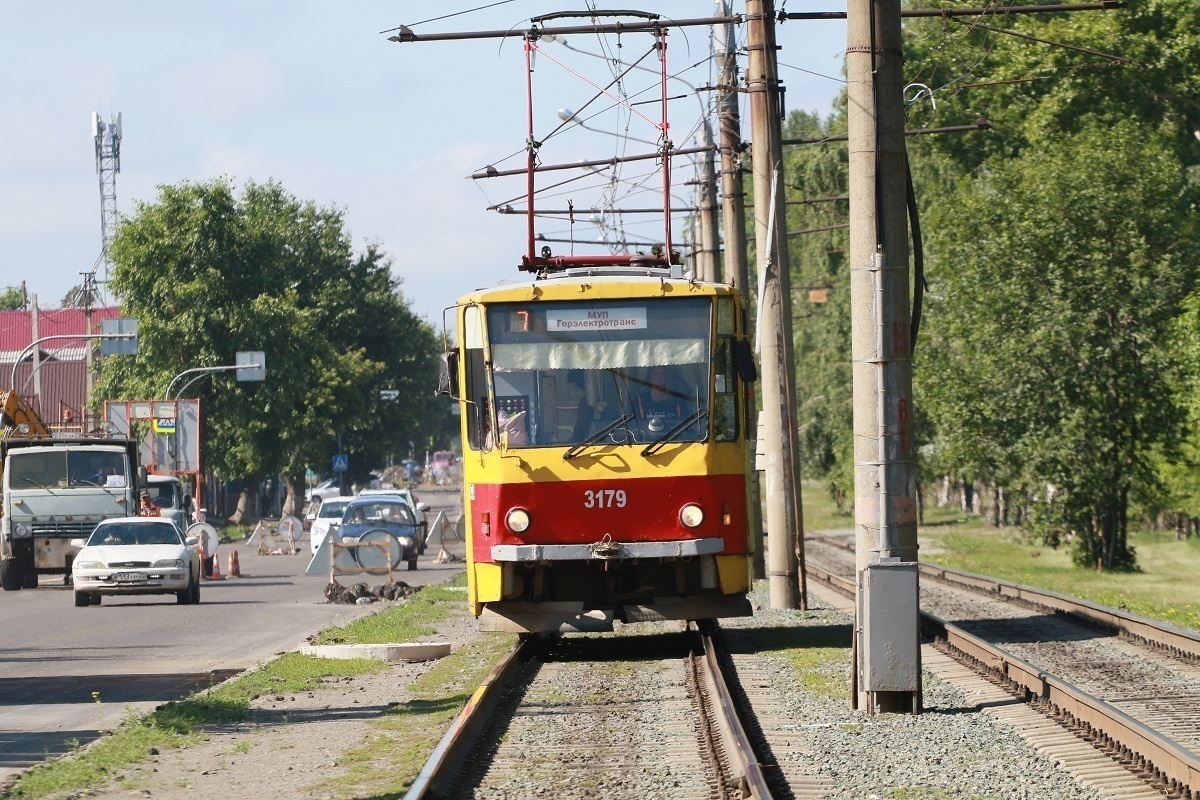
x: 277, y: 538
x: 443, y: 529
x: 207, y: 544
x: 342, y: 554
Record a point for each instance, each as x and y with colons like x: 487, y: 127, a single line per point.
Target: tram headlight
x: 517, y: 520
x: 691, y: 515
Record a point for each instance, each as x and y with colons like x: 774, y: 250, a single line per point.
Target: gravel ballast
x: 952, y: 750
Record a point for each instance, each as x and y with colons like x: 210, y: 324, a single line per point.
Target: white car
x: 328, y: 514
x: 136, y: 555
x: 323, y: 491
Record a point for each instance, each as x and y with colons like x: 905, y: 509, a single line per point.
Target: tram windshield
x: 564, y: 371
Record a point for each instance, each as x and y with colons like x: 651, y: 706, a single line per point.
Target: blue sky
x: 311, y: 95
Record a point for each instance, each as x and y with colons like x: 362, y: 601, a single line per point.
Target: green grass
x: 1161, y: 588
x: 820, y: 512
x: 184, y: 722
x: 418, y: 616
x: 936, y: 793
x: 385, y: 764
x: 179, y: 724
x: 818, y: 656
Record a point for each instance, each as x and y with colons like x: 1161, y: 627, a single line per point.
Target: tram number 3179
x: 604, y: 498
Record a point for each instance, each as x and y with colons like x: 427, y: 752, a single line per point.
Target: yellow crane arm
x: 18, y: 419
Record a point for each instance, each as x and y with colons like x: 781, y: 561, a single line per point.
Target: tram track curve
x: 1138, y: 707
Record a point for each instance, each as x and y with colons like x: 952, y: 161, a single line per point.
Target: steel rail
x: 1139, y: 745
x: 1144, y: 749
x: 1153, y: 633
x: 444, y: 764
x: 447, y: 761
x: 739, y: 750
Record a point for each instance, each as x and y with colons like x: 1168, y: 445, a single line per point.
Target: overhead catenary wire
x: 1065, y: 46
x: 448, y: 16
x: 549, y: 27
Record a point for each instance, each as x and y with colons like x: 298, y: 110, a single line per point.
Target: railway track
x: 1125, y: 683
x: 650, y: 715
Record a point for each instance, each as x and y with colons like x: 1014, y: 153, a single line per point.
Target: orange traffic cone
x: 235, y: 568
x: 205, y: 562
x: 216, y: 569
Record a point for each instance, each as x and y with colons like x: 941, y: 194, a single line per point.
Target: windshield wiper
x: 597, y: 436
x: 675, y: 432
x: 32, y: 481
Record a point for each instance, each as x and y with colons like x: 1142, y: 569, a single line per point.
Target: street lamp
x: 251, y: 366
x: 567, y: 115
x: 29, y: 349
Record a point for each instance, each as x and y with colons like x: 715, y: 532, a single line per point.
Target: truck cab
x: 172, y: 499
x: 56, y: 490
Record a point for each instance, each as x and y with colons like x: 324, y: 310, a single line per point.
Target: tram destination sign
x: 595, y: 319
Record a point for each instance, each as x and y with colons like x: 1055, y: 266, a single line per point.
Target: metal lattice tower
x: 108, y: 164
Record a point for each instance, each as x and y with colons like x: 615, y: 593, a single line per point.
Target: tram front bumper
x: 607, y: 550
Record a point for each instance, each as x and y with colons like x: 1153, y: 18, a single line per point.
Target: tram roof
x: 597, y: 285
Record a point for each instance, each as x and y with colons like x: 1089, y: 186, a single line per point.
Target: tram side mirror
x: 448, y: 379
x: 743, y: 361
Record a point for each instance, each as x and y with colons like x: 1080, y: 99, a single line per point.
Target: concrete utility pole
x: 784, y: 523
x: 887, y: 644
x: 733, y: 218
x: 707, y: 243
x: 733, y: 206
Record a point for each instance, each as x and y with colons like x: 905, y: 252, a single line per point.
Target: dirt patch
x: 288, y: 744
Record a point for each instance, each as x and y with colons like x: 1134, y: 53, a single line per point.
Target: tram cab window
x: 725, y: 384
x: 475, y: 390
x: 572, y: 368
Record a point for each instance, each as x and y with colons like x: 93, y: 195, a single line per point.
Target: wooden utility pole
x: 887, y: 641
x: 733, y: 218
x: 784, y: 522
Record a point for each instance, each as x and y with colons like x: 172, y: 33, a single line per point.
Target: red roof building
x: 54, y: 378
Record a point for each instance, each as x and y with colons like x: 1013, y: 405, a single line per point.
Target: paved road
x: 67, y: 673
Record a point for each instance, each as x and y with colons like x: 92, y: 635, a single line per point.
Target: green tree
x: 208, y: 272
x: 1049, y: 361
x: 11, y: 298
x: 816, y: 183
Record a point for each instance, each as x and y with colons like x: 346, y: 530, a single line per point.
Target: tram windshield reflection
x: 562, y: 371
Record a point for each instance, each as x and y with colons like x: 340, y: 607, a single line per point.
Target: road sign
x: 251, y: 365
x: 341, y: 463
x: 119, y: 326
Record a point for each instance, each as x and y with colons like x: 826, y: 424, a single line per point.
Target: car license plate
x: 128, y: 577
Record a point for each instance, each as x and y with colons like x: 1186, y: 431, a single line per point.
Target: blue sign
x: 341, y: 463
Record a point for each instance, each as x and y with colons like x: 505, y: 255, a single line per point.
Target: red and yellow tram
x: 605, y: 449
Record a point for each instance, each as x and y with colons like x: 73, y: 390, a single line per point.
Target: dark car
x: 380, y: 519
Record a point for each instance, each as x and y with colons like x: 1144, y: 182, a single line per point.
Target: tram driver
x: 662, y: 397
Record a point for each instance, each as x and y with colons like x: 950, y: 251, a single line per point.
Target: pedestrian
x: 146, y: 506
x: 268, y: 498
